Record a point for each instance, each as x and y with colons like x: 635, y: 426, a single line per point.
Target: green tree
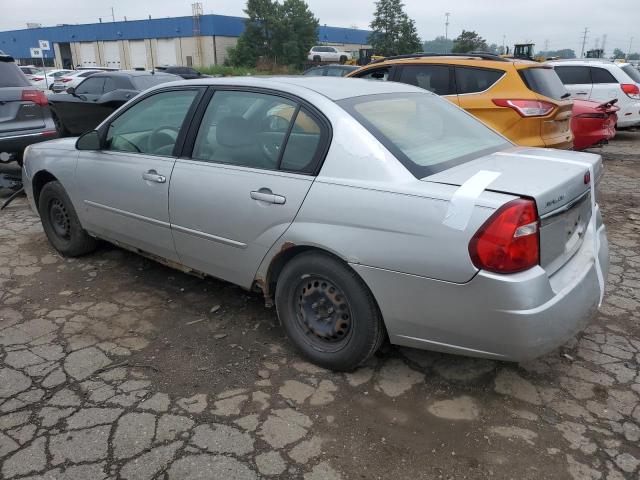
x: 394, y: 33
x: 282, y: 33
x: 617, y: 53
x: 469, y: 41
x: 438, y: 45
x: 296, y: 32
x: 493, y: 48
x: 634, y: 56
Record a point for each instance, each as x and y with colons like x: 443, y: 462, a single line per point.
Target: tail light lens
x: 66, y: 80
x: 527, y: 108
x: 509, y: 241
x: 631, y: 90
x: 37, y: 79
x: 35, y: 96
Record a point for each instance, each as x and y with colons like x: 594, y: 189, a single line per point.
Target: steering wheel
x: 161, y: 138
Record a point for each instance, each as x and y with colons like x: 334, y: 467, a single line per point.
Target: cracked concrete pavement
x: 112, y: 366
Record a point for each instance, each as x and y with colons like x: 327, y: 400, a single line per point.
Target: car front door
x: 576, y: 79
x: 77, y: 111
x: 435, y: 78
x: 237, y: 190
x: 124, y: 187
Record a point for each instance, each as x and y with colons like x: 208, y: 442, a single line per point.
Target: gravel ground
x: 113, y: 366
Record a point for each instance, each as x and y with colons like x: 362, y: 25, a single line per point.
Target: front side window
x: 152, y: 125
x: 427, y: 134
x: 258, y: 130
x: 109, y: 85
x: 573, y: 74
x: 435, y: 78
x: 601, y: 75
x: 381, y: 74
x: 91, y: 86
x: 476, y: 80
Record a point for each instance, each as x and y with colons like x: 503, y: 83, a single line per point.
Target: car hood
x: 545, y: 175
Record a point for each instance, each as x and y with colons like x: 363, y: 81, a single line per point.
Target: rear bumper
x: 507, y: 317
x: 629, y: 115
x: 16, y: 142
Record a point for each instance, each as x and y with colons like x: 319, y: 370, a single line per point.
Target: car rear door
x: 78, y: 111
x: 576, y: 79
x: 438, y: 79
x: 124, y: 187
x: 605, y: 85
x: 241, y: 184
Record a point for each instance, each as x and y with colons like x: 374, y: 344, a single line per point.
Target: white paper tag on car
x: 464, y: 199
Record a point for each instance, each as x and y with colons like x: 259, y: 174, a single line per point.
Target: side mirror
x: 89, y: 141
x: 199, y: 74
x: 71, y: 91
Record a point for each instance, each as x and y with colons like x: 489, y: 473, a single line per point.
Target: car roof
x: 497, y: 62
x: 130, y: 73
x: 334, y: 88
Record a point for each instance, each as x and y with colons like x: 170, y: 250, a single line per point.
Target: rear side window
x: 544, y: 81
x: 573, y: 74
x: 601, y: 75
x: 11, y: 76
x: 632, y: 72
x: 377, y: 74
x: 303, y: 144
x: 435, y: 78
x: 427, y: 134
x: 475, y: 80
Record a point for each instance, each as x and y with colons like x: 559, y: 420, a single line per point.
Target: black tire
x: 343, y: 60
x: 62, y: 130
x: 61, y: 224
x: 350, y: 309
x: 317, y: 58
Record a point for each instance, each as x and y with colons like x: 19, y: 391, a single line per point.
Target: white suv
x: 601, y: 81
x: 328, y: 54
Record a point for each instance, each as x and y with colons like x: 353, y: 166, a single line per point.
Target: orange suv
x: 524, y: 101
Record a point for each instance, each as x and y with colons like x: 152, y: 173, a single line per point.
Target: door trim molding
x: 124, y: 213
x: 208, y: 236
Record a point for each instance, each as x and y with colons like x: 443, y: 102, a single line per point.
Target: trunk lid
x: 562, y: 197
x: 16, y: 114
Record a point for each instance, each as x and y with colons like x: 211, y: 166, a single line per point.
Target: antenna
x: 196, y: 10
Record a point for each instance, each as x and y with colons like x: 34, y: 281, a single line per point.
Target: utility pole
x: 604, y: 43
x: 113, y: 15
x: 629, y: 52
x: 503, y: 44
x: 446, y: 30
x: 546, y: 45
x: 584, y: 41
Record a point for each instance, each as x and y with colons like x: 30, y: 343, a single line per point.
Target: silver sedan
x: 364, y: 210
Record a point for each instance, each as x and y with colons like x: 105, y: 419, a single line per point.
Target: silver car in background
x: 364, y: 210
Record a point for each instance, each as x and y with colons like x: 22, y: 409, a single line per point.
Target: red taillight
x: 35, y: 96
x: 527, y: 108
x: 37, y: 79
x: 66, y: 80
x: 509, y: 241
x: 631, y: 90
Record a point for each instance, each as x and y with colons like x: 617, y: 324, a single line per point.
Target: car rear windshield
x: 423, y: 131
x: 12, y: 76
x: 142, y: 82
x: 632, y: 72
x: 544, y: 81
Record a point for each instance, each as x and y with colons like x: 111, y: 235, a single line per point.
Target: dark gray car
x: 25, y: 117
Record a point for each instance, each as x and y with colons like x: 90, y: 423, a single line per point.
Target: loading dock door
x: 88, y: 54
x: 111, y: 55
x: 166, y: 52
x: 138, y: 53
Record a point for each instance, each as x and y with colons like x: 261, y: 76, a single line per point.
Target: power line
x: 584, y: 41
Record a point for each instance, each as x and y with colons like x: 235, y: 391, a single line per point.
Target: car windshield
x: 632, y: 72
x: 426, y: 133
x: 545, y: 81
x: 142, y: 82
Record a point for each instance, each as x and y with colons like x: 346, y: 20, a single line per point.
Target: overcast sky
x: 560, y: 22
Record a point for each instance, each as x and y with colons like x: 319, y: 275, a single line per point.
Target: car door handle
x: 265, y: 195
x: 152, y: 176
x: 582, y: 93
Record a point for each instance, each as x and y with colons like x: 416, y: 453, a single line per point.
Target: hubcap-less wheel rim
x: 323, y: 313
x: 59, y: 217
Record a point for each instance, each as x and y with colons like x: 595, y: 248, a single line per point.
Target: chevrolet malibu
x: 364, y: 210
